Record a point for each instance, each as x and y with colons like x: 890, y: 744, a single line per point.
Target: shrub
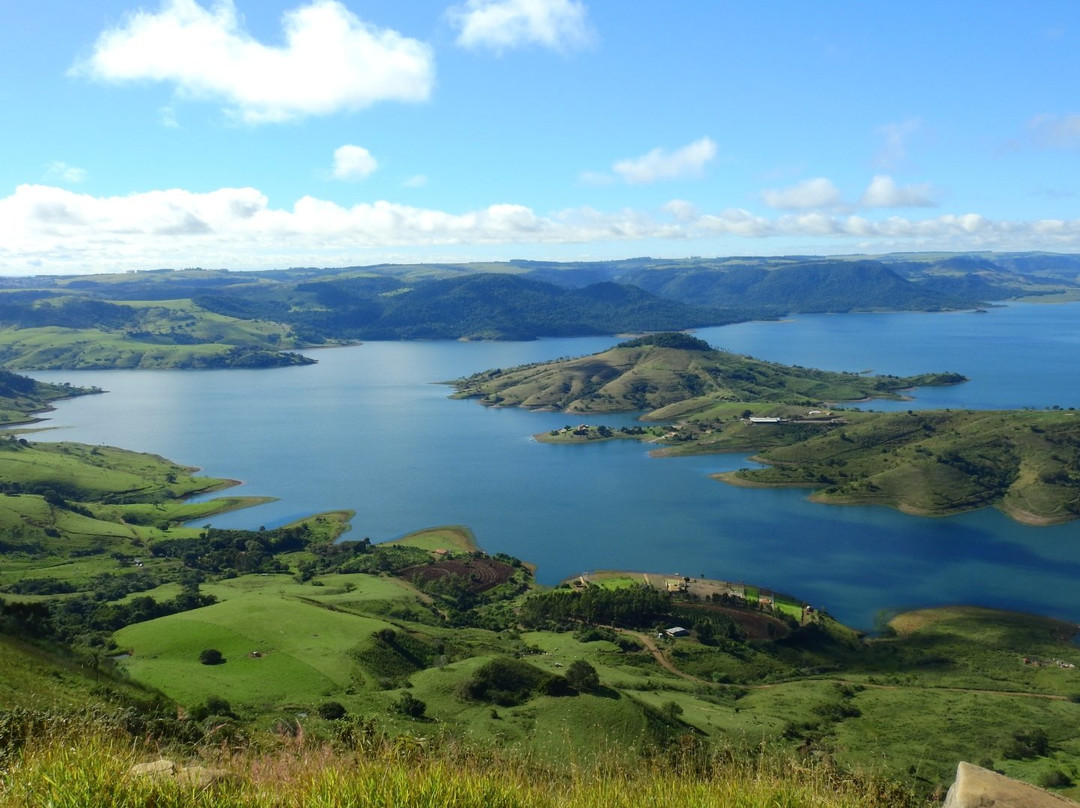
x: 211, y: 656
x: 213, y: 706
x: 582, y: 676
x: 331, y: 710
x: 508, y: 682
x: 1055, y: 779
x: 410, y: 706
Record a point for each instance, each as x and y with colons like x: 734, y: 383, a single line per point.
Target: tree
x: 582, y: 676
x: 409, y: 705
x: 211, y: 656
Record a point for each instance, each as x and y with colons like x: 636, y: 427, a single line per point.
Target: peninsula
x: 928, y: 462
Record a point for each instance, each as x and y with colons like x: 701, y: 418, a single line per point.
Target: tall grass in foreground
x: 91, y: 768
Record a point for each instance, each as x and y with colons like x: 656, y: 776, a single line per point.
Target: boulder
x: 976, y: 787
x: 193, y: 777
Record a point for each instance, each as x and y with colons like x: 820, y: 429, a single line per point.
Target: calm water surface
x: 367, y: 429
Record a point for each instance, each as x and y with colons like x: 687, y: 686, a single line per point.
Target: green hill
x: 1023, y: 462
x: 662, y: 370
x: 21, y: 397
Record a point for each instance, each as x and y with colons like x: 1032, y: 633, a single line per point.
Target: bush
x: 410, y: 706
x: 1055, y: 779
x: 211, y: 656
x: 508, y: 682
x: 331, y: 710
x: 582, y: 676
x: 213, y: 706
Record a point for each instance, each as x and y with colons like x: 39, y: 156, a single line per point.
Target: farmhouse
x: 675, y: 584
x: 677, y: 631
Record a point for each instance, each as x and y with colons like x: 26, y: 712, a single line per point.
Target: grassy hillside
x: 667, y: 369
x: 21, y: 397
x: 1024, y: 463
x: 90, y: 765
x: 51, y: 330
x: 986, y: 686
x: 96, y: 497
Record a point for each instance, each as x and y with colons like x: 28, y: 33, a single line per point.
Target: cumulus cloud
x: 883, y: 192
x: 657, y: 165
x: 353, y: 163
x: 895, y: 138
x: 46, y: 228
x: 1056, y: 131
x: 331, y: 60
x: 816, y: 193
x: 502, y: 25
x: 59, y: 170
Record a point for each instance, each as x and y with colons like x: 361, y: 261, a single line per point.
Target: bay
x: 367, y: 429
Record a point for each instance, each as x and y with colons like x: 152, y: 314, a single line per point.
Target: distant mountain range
x: 219, y: 318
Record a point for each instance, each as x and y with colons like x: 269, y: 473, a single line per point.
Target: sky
x: 283, y: 133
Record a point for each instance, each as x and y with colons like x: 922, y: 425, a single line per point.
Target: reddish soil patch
x: 481, y: 574
x: 754, y: 624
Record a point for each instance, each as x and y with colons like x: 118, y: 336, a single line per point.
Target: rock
x: 192, y: 777
x: 155, y: 769
x: 201, y: 778
x: 976, y: 787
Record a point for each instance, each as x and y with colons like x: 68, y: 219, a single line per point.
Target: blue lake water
x: 366, y: 429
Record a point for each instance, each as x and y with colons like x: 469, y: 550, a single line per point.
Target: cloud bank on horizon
x: 291, y: 133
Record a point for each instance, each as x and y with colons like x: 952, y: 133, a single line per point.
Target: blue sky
x: 258, y: 135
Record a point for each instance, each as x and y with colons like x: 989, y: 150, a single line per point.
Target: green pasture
x: 453, y: 538
x: 279, y: 650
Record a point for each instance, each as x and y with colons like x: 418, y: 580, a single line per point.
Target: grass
x: 650, y: 377
x: 451, y: 538
x: 71, y: 510
x: 931, y: 462
x: 303, y: 648
x: 954, y: 676
x: 89, y: 765
x: 169, y: 334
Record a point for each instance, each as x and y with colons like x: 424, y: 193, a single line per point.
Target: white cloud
x: 59, y: 170
x: 501, y: 25
x: 681, y: 209
x: 353, y: 163
x: 883, y: 192
x: 816, y: 193
x: 331, y: 60
x: 51, y: 229
x: 416, y: 181
x: 895, y: 138
x: 688, y: 161
x: 1056, y: 131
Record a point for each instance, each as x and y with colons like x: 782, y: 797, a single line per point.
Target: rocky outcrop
x: 193, y: 777
x: 976, y: 787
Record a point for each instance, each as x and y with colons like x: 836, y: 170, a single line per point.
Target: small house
x: 677, y: 631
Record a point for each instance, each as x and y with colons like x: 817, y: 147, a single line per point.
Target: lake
x: 367, y: 429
